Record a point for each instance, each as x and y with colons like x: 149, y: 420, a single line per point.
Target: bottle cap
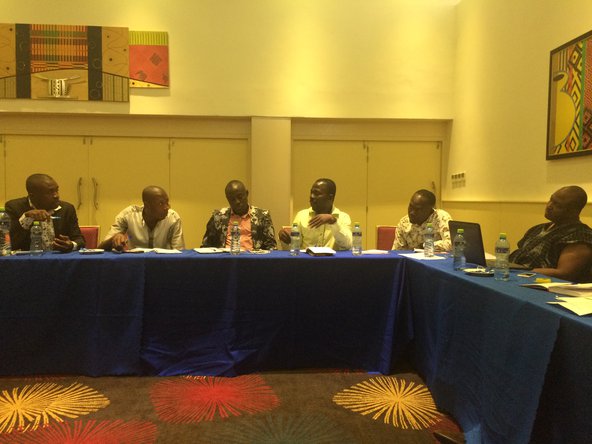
x: 36, y: 222
x: 502, y: 235
x: 235, y: 223
x: 460, y: 231
x: 429, y: 224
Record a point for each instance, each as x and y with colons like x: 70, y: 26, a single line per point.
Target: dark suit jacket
x: 67, y: 224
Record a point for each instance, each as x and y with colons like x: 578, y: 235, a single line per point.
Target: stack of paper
x: 574, y: 297
x: 320, y: 251
x: 564, y: 288
x: 579, y: 305
x: 375, y: 252
x: 156, y: 250
x: 211, y: 250
x: 422, y: 257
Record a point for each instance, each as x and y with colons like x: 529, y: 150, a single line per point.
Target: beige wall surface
x: 306, y: 58
x: 501, y: 89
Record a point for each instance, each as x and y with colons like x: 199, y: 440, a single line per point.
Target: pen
x: 55, y: 217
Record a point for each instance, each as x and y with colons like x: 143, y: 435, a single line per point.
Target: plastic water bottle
x: 502, y: 253
x: 235, y: 239
x: 4, y: 232
x: 295, y: 240
x: 459, y: 261
x: 428, y: 241
x: 36, y: 240
x: 357, y: 239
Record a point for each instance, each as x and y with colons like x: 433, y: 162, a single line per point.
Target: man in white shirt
x: 152, y: 225
x: 421, y: 211
x: 322, y: 224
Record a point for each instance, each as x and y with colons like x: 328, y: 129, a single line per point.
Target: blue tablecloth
x: 67, y: 313
x: 485, y: 348
x: 191, y: 313
x: 229, y: 315
x: 509, y: 367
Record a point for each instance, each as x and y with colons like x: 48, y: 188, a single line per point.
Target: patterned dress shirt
x: 542, y: 245
x: 262, y: 231
x: 409, y: 236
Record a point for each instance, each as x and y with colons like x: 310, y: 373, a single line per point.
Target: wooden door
x: 200, y: 170
x: 342, y: 161
x: 120, y: 168
x: 375, y: 180
x: 3, y: 171
x: 65, y: 158
x: 395, y: 171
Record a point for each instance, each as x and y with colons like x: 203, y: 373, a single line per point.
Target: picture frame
x: 569, y: 118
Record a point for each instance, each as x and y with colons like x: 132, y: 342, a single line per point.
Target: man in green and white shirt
x: 322, y: 224
x: 421, y: 212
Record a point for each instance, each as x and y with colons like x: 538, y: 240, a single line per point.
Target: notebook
x: 474, y: 251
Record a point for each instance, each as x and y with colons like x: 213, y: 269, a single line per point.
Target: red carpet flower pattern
x: 196, y: 399
x: 309, y: 429
x: 28, y: 407
x: 404, y: 403
x: 103, y: 432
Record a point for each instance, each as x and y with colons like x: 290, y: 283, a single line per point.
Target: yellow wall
x: 306, y: 58
x: 501, y: 86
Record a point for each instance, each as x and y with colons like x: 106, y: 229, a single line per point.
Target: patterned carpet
x: 276, y: 407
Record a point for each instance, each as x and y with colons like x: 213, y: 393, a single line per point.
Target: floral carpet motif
x: 30, y: 406
x: 309, y: 429
x: 103, y: 432
x: 310, y: 406
x: 196, y: 399
x: 402, y: 403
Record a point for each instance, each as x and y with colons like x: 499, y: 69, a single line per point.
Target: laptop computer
x: 474, y: 251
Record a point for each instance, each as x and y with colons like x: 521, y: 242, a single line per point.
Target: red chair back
x: 91, y: 235
x: 385, y: 236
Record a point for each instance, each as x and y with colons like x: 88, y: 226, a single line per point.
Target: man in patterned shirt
x: 256, y: 227
x: 563, y: 247
x: 421, y: 211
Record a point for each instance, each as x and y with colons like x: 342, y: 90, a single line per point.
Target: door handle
x: 95, y: 193
x: 79, y: 192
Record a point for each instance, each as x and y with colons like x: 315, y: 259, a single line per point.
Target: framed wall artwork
x: 569, y: 120
x: 77, y: 62
x: 64, y: 62
x: 149, y: 59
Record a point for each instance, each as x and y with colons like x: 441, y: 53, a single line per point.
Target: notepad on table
x: 320, y: 251
x: 563, y: 288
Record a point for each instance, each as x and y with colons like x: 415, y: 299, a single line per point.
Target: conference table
x: 505, y: 364
x: 190, y: 313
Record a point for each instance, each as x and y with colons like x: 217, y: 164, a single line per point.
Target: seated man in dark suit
x: 58, y: 219
x: 256, y: 227
x: 561, y: 248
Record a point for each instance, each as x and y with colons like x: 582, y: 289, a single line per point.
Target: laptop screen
x: 474, y: 251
